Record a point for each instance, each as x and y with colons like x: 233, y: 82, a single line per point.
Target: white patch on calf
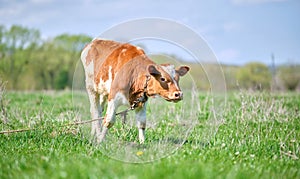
x: 138, y: 48
x: 112, y: 106
x: 89, y: 69
x: 110, y: 114
x: 98, y: 38
x: 84, y: 53
x: 104, y: 86
x: 124, y: 50
x: 170, y: 69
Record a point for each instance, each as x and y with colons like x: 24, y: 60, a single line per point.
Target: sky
x: 237, y: 31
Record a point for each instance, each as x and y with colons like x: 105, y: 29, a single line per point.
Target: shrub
x: 290, y: 76
x: 255, y: 76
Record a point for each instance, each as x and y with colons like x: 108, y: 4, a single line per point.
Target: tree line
x: 258, y: 76
x: 28, y: 62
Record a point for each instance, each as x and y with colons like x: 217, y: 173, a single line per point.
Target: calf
x: 121, y: 74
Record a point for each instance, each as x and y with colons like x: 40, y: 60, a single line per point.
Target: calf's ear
x: 153, y: 70
x: 182, y: 70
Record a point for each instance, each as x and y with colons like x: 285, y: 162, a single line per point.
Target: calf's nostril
x: 178, y: 95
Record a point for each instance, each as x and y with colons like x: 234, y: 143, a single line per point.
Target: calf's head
x: 165, y: 81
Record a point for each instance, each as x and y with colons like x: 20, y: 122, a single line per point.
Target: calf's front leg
x: 140, y: 114
x: 109, y: 120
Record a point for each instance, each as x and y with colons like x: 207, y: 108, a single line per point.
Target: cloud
x: 246, y: 2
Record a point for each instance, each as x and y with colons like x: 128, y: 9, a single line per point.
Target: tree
x: 17, y: 45
x: 290, y: 76
x: 2, y: 44
x: 55, y: 60
x: 255, y: 76
x: 72, y: 46
x: 28, y: 62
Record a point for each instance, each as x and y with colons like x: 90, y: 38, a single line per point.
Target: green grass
x: 258, y: 137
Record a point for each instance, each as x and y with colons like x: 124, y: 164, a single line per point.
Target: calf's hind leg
x: 95, y: 110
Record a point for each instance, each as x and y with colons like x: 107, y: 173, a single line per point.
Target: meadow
x: 257, y: 136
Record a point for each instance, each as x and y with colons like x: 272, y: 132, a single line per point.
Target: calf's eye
x: 162, y: 79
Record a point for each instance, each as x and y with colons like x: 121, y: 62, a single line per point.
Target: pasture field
x: 258, y: 136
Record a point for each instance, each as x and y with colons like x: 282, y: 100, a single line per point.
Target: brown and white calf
x: 119, y: 74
